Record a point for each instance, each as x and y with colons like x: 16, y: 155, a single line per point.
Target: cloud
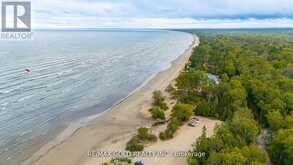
x: 162, y: 23
x: 163, y: 13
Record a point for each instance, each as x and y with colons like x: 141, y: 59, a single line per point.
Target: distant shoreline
x: 122, y: 119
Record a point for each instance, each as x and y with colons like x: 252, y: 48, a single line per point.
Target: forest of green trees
x: 253, y: 93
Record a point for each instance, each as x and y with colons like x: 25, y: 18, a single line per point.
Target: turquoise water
x: 62, y: 76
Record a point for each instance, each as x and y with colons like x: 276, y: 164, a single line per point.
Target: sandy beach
x: 181, y: 142
x: 113, y: 128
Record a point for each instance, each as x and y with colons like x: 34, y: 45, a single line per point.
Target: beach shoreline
x: 121, y: 120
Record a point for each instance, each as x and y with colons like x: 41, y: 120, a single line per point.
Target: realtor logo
x: 16, y: 16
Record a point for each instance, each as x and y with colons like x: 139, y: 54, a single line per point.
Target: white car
x: 193, y: 122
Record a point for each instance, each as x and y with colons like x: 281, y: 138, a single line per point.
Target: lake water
x: 63, y: 76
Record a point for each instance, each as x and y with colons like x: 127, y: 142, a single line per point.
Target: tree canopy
x: 255, y: 91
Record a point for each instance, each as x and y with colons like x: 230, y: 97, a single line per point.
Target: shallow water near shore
x: 63, y: 76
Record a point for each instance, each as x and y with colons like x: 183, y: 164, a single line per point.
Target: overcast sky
x: 162, y: 13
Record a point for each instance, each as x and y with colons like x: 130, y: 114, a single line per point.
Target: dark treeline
x: 244, y: 79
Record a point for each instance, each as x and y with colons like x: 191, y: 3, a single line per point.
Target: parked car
x: 195, y: 118
x: 193, y: 122
x: 138, y: 163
